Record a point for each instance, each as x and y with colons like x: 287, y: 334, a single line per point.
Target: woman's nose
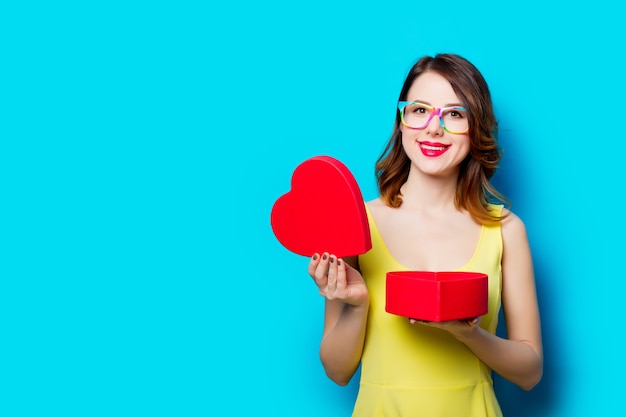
x: 434, y: 127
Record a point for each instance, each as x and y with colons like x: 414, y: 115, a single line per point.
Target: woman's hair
x: 474, y: 192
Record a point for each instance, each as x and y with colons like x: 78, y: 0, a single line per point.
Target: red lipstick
x: 433, y: 149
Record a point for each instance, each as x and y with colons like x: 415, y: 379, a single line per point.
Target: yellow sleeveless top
x: 414, y: 370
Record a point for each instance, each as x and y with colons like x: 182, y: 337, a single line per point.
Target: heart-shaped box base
x: 437, y: 296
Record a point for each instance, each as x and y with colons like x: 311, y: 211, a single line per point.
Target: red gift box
x: 437, y: 296
x: 323, y: 212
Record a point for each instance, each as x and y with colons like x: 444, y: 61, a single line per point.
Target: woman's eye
x: 457, y: 114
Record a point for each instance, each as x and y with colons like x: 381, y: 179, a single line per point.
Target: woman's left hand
x: 458, y: 328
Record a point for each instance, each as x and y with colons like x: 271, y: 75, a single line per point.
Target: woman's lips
x: 433, y: 149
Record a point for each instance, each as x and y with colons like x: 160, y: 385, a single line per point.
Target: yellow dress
x: 413, y: 370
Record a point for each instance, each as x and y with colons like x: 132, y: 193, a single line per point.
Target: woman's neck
x: 426, y: 192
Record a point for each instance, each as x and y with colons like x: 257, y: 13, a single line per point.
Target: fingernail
x: 324, y: 257
x: 315, y: 257
x: 332, y: 259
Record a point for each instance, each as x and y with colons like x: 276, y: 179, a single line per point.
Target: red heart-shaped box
x: 437, y: 296
x: 323, y: 212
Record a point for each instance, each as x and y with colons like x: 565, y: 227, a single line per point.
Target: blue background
x: 144, y: 143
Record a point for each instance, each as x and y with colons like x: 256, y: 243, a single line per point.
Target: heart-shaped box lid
x: 323, y: 212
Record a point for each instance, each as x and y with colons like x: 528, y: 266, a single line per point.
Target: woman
x: 436, y: 212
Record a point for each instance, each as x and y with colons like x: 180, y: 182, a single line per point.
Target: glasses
x: 415, y: 115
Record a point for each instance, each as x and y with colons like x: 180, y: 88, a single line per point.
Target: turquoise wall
x: 144, y: 143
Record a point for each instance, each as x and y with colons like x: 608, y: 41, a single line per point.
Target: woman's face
x: 432, y: 150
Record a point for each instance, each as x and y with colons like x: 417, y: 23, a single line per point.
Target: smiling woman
x: 437, y: 211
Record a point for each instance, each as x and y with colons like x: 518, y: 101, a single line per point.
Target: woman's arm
x: 519, y: 358
x: 345, y: 315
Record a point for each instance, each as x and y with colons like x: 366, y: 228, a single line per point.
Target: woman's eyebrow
x: 444, y: 106
x: 453, y: 105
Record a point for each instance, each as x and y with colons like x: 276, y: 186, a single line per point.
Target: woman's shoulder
x: 512, y: 226
x: 376, y: 207
x: 375, y: 203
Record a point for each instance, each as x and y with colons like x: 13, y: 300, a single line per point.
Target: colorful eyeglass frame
x: 439, y: 111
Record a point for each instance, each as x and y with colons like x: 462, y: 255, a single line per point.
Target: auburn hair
x: 474, y: 191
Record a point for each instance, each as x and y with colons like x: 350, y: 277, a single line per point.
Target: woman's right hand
x: 336, y: 280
